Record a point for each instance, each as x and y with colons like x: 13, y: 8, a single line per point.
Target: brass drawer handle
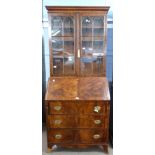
x: 57, y: 122
x: 97, y: 109
x: 97, y: 136
x: 58, y: 107
x: 58, y: 136
x: 97, y: 121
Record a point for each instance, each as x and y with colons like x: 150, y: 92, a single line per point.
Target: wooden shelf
x: 60, y: 27
x: 96, y: 27
x: 64, y: 38
x: 92, y: 38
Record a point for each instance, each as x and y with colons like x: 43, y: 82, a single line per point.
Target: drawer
x: 66, y: 107
x: 62, y: 121
x: 61, y: 136
x: 91, y: 121
x: 91, y: 107
x: 92, y: 136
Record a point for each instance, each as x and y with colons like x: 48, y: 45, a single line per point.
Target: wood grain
x: 85, y: 88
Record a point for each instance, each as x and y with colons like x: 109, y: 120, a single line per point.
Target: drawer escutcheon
x: 97, y: 109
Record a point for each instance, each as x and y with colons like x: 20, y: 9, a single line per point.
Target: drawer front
x: 92, y: 136
x: 62, y: 121
x: 61, y: 136
x: 91, y: 107
x: 91, y: 121
x: 66, y: 107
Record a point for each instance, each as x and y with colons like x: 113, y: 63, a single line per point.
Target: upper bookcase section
x: 77, y: 40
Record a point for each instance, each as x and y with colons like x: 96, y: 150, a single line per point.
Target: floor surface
x: 64, y: 151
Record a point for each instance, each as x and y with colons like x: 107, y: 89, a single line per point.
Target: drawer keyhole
x: 97, y: 109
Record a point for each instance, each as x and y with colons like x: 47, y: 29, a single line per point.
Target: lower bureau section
x: 74, y: 136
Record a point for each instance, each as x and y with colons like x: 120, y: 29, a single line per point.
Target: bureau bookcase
x: 77, y: 96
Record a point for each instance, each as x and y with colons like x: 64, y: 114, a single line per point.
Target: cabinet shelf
x: 67, y: 36
x: 61, y: 27
x: 92, y: 38
x: 96, y: 27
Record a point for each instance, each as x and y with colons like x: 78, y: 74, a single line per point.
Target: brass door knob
x: 58, y: 107
x: 58, y: 136
x: 97, y: 121
x: 97, y: 109
x: 57, y: 122
x: 97, y: 136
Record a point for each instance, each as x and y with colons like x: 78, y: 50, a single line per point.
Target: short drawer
x: 61, y: 136
x: 91, y: 121
x: 91, y: 107
x: 62, y: 121
x: 66, y: 107
x: 92, y: 136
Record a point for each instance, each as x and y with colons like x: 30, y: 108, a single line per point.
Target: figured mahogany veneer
x: 77, y: 111
x: 82, y: 88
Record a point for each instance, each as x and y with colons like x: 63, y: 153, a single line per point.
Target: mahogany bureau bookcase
x: 77, y: 96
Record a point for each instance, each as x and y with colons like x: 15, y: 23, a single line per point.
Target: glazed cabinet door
x: 92, y: 45
x: 62, y: 44
x: 77, y: 44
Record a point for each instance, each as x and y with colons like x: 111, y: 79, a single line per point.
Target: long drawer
x: 76, y: 121
x: 77, y: 107
x: 77, y: 136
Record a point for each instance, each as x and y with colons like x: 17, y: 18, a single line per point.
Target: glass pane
x: 92, y: 65
x: 87, y: 65
x: 69, y: 47
x: 86, y: 31
x: 68, y: 26
x: 57, y: 44
x: 98, y: 48
x: 98, y: 26
x: 57, y: 65
x: 56, y: 26
x: 87, y: 48
x: 86, y: 26
x: 69, y: 65
x: 98, y: 65
x: 98, y: 32
x: 99, y: 22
